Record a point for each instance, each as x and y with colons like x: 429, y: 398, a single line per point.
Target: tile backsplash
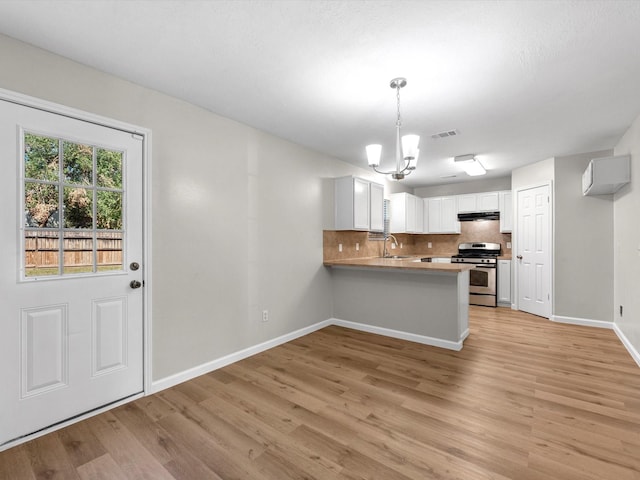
x: 445, y: 245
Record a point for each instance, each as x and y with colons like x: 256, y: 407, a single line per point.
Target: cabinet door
x: 504, y: 281
x: 467, y: 203
x: 360, y: 204
x: 435, y: 215
x: 506, y: 212
x: 376, y: 196
x: 425, y: 215
x: 419, y: 215
x: 398, y: 213
x: 488, y: 202
x: 449, y: 215
x: 410, y: 216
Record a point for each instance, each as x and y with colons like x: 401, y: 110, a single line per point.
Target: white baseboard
x: 463, y: 337
x: 412, y: 337
x: 582, y: 321
x: 627, y: 344
x: 601, y: 324
x: 194, y: 372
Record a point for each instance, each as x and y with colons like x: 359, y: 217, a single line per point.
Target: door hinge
x: 137, y: 136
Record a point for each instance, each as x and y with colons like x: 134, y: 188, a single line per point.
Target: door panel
x: 533, y: 251
x: 71, y: 325
x: 109, y: 335
x: 44, y: 349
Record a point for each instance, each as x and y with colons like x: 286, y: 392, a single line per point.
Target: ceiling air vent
x: 448, y: 133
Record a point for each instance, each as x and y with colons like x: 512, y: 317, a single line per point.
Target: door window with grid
x: 73, y: 196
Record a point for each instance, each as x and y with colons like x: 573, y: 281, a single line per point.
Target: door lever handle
x: 135, y: 284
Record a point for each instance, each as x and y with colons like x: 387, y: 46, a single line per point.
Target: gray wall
x: 475, y: 186
x: 583, y: 243
x: 237, y: 214
x: 533, y: 174
x: 626, y: 235
x: 582, y: 268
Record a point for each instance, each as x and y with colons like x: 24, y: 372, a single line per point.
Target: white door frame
x: 145, y: 133
x: 514, y: 239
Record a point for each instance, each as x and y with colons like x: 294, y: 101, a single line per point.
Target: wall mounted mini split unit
x: 606, y: 175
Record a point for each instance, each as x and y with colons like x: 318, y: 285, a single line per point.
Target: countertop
x: 400, y: 263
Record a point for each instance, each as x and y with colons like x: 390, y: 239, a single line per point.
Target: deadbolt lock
x: 134, y: 266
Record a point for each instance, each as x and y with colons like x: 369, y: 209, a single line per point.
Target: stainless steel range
x: 482, y: 279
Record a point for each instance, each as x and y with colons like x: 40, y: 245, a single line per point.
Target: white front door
x: 71, y: 320
x: 533, y: 251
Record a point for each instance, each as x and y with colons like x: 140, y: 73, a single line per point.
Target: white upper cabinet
x: 376, y: 196
x: 506, y: 211
x: 420, y: 225
x: 404, y: 213
x: 359, y: 204
x: 488, y: 202
x: 361, y: 210
x: 478, y: 202
x: 450, y: 223
x: 442, y: 215
x: 467, y: 203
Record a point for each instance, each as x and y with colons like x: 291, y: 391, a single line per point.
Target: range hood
x: 474, y: 216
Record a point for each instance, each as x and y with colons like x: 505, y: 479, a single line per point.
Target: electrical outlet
x: 401, y: 245
x: 429, y: 245
x: 509, y: 245
x: 393, y: 246
x: 340, y: 247
x: 357, y: 247
x: 620, y: 310
x: 265, y: 315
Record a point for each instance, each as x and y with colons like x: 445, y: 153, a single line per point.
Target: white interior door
x: 533, y: 251
x: 71, y: 319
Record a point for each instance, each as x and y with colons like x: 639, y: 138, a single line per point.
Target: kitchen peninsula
x: 403, y: 298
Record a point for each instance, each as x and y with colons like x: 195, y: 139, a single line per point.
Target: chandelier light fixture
x: 406, y: 147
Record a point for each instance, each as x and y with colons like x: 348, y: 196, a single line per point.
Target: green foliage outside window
x: 42, y: 200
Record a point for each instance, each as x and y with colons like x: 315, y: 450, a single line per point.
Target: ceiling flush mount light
x: 470, y: 164
x: 406, y: 147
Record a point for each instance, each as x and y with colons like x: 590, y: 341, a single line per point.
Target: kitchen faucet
x: 385, y: 254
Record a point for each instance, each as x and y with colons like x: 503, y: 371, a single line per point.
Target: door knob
x: 519, y: 257
x: 135, y: 284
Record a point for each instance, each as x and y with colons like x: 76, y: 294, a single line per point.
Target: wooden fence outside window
x: 42, y: 249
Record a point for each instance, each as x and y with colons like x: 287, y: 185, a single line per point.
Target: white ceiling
x: 521, y: 81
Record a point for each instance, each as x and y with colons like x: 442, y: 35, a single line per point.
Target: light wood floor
x: 524, y: 399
